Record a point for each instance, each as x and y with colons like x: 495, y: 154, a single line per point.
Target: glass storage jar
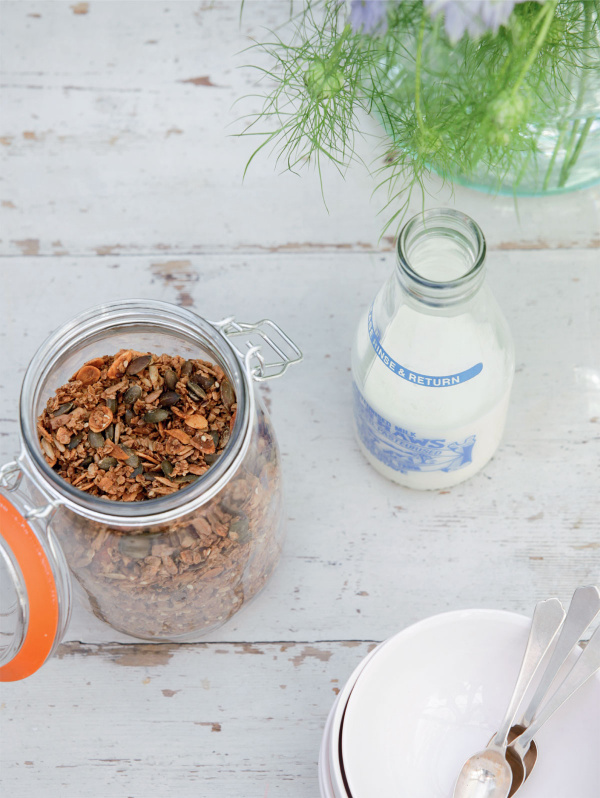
x: 161, y: 569
x: 433, y: 359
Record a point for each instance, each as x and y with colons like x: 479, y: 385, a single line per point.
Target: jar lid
x: 35, y: 603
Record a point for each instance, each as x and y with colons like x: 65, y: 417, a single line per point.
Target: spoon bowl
x: 529, y: 759
x: 486, y: 774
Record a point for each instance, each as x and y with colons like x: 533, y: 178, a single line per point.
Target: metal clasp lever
x: 269, y: 350
x: 10, y: 475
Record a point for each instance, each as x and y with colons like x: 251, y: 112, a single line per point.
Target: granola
x: 134, y: 426
x: 188, y: 576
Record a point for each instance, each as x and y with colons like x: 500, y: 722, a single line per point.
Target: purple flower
x: 368, y: 15
x: 474, y: 17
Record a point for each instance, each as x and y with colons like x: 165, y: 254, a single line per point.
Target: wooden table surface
x: 122, y: 176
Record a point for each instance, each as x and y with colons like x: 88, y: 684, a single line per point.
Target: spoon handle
x: 547, y: 619
x: 584, y: 607
x: 587, y: 664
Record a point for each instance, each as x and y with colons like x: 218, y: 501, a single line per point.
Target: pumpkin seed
x: 224, y: 439
x: 110, y: 432
x: 96, y: 440
x: 75, y: 441
x: 240, y: 528
x: 168, y: 399
x: 87, y: 462
x: 154, y: 416
x: 170, y: 379
x: 204, y: 380
x: 129, y: 414
x: 215, y: 436
x: 227, y: 393
x: 196, y: 390
x: 106, y: 463
x: 185, y: 479
x: 137, y: 471
x: 139, y: 364
x: 112, y: 405
x: 209, y: 459
x: 136, y: 546
x: 132, y: 394
x: 66, y: 408
x: 187, y: 368
x: 133, y: 461
x: 167, y: 468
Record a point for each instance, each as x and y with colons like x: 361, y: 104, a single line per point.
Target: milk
x: 432, y: 376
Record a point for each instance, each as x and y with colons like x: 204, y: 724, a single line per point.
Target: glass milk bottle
x: 433, y: 359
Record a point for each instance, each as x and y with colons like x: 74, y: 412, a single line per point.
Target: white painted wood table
x: 120, y: 178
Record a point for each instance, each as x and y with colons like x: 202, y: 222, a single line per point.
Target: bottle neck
x: 441, y: 257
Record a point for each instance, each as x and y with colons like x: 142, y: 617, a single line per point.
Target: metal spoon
x: 587, y: 664
x: 585, y: 605
x: 487, y: 774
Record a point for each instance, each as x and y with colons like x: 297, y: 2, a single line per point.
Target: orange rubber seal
x: 42, y: 596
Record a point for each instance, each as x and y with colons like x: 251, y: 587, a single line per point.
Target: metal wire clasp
x: 10, y: 475
x: 269, y: 351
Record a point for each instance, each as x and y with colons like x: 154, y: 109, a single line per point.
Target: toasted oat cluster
x: 135, y: 426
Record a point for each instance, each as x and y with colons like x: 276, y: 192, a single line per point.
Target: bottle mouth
x: 441, y: 254
x: 142, y: 325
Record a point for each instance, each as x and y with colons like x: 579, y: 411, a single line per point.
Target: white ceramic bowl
x: 429, y: 697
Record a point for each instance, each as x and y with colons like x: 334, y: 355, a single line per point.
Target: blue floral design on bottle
x: 403, y: 450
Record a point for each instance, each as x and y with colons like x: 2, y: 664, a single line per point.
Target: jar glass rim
x: 127, y: 315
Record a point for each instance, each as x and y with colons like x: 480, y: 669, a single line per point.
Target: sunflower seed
x: 154, y: 376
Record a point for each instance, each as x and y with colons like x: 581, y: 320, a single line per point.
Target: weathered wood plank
x: 116, y: 133
x: 221, y: 721
x: 364, y: 557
